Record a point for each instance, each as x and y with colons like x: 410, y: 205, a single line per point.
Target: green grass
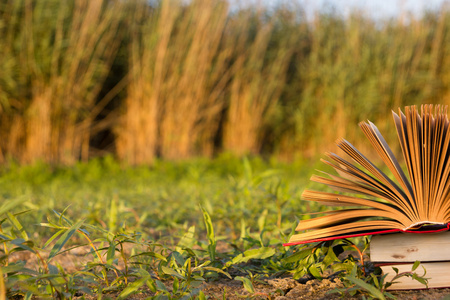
x: 247, y: 204
x: 165, y: 196
x: 163, y: 231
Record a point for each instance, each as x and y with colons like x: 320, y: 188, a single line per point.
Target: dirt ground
x: 277, y: 288
x: 287, y: 288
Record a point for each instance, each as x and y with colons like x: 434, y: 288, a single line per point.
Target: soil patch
x: 276, y: 288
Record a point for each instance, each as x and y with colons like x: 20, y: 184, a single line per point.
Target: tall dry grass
x: 202, y: 77
x: 175, y: 95
x: 64, y: 50
x: 357, y: 69
x: 261, y: 59
x: 137, y: 135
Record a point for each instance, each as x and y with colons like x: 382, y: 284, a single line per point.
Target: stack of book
x: 411, y: 207
x: 402, y: 250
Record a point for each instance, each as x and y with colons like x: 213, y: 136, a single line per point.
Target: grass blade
x: 51, y: 239
x: 211, y: 237
x: 17, y: 225
x: 64, y: 238
x: 10, y: 204
x: 370, y: 288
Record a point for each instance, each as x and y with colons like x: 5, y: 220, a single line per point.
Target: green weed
x: 148, y: 231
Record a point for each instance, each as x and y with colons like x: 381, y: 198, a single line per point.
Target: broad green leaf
x: 346, y: 267
x: 314, y: 271
x: 13, y: 268
x: 90, y: 274
x: 17, y: 225
x: 375, y: 281
x: 111, y: 253
x: 142, y: 273
x: 151, y: 285
x: 175, y: 285
x: 415, y: 265
x: 171, y: 272
x: 187, y: 241
x: 330, y: 258
x: 84, y: 290
x: 201, y: 296
x: 5, y: 237
x: 132, y: 287
x: 180, y: 260
x: 297, y: 256
x: 191, y: 294
x: 370, y: 288
x: 260, y: 253
x: 64, y: 238
x: 200, y: 279
x: 17, y: 267
x: 248, y: 285
x: 188, y: 266
x: 390, y: 296
x: 160, y: 286
x: 152, y: 254
x: 422, y: 280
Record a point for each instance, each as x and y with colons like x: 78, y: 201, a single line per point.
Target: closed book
x: 402, y: 250
x: 437, y: 273
x: 409, y: 247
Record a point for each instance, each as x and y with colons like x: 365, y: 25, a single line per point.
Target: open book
x: 384, y: 203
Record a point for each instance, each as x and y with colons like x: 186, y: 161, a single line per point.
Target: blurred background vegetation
x: 173, y: 79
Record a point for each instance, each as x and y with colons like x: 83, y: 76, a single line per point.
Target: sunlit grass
x: 246, y: 203
x: 165, y: 196
x: 162, y: 231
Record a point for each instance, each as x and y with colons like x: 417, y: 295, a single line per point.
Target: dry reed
x: 202, y: 78
x: 67, y: 48
x: 257, y: 82
x: 359, y: 70
x: 174, y: 98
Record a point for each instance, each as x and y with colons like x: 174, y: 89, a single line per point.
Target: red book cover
x: 424, y: 229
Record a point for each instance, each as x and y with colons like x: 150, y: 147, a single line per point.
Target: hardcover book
x: 414, y: 200
x: 435, y: 272
x: 401, y: 250
x: 408, y: 247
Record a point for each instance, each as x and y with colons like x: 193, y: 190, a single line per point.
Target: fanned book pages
x: 416, y: 202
